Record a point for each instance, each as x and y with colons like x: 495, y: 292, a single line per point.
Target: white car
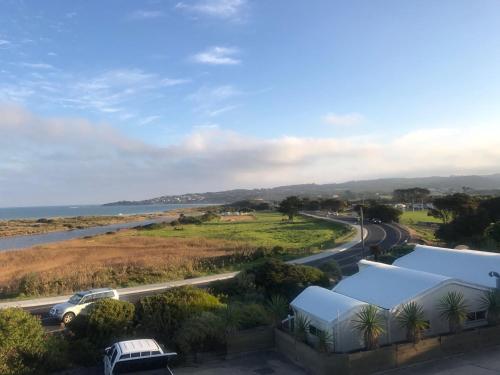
x: 67, y: 311
x: 137, y: 356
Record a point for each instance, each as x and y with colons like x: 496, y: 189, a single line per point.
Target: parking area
x: 262, y: 363
x: 483, y: 362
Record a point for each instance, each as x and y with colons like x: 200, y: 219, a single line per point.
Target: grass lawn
x: 423, y: 226
x: 267, y: 230
x: 414, y: 217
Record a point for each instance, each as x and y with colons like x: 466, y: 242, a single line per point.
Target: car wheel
x: 68, y: 317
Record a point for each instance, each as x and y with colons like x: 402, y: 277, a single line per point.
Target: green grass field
x: 410, y: 217
x: 267, y: 230
x: 419, y: 222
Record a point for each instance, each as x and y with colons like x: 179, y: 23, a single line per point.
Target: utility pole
x: 362, y: 232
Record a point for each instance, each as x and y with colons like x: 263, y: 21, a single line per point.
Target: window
x: 113, y: 356
x: 125, y: 356
x: 313, y: 330
x: 155, y: 352
x: 145, y: 354
x: 476, y: 315
x: 135, y: 355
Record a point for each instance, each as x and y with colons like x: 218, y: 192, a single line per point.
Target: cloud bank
x: 59, y: 161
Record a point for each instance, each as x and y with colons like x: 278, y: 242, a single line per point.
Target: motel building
x: 424, y: 276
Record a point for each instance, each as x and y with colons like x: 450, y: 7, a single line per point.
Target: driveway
x: 261, y: 363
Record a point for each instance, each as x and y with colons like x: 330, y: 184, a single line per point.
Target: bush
x: 332, y: 270
x: 201, y: 333
x: 241, y: 287
x: 162, y: 315
x: 275, y: 277
x: 209, y: 216
x: 251, y: 315
x: 22, y: 342
x: 183, y: 219
x: 106, y: 322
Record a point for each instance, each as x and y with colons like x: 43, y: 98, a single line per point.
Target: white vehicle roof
x: 141, y: 345
x: 470, y: 266
x: 324, y: 304
x: 98, y: 290
x: 387, y: 286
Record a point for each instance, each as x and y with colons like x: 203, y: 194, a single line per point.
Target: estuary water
x: 20, y: 242
x: 85, y: 210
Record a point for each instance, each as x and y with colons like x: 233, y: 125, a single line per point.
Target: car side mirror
x: 107, y: 351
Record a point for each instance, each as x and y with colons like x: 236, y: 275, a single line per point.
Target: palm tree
x: 453, y: 308
x: 411, y: 317
x: 278, y: 308
x: 491, y: 303
x: 369, y: 321
x: 300, y: 327
x: 325, y: 341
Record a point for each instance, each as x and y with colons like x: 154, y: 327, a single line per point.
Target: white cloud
x: 36, y: 65
x: 228, y: 9
x: 213, y: 100
x: 113, y: 92
x: 51, y: 54
x: 217, y: 56
x: 346, y: 119
x: 149, y: 120
x: 146, y: 14
x: 5, y: 43
x: 57, y: 161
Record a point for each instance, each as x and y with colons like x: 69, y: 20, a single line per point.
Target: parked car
x: 67, y: 311
x: 136, y: 356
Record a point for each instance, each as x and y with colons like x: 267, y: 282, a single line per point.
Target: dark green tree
x: 290, y: 207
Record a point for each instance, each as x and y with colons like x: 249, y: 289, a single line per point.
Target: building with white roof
x: 470, y: 266
x: 330, y: 312
x: 389, y: 288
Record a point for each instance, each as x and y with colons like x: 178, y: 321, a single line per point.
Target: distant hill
x: 488, y: 184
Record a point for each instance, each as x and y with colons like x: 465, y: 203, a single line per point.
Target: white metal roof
x: 324, y: 304
x: 135, y: 346
x: 470, y: 266
x: 387, y: 286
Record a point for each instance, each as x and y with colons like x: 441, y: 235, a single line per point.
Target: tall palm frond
x: 411, y: 317
x: 370, y: 323
x: 452, y: 307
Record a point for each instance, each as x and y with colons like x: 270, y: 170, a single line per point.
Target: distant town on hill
x: 474, y: 184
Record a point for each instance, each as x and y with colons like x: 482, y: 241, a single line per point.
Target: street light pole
x: 362, y: 232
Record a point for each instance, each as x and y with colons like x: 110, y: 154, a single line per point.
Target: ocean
x: 85, y: 210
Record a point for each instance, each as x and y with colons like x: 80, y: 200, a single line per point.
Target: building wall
x: 430, y: 304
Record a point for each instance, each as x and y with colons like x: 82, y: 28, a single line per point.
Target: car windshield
x: 75, y: 299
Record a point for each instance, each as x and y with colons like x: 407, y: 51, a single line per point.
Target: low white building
x: 329, y: 312
x: 467, y: 265
x: 389, y: 288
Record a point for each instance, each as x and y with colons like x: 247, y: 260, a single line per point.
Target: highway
x: 384, y: 235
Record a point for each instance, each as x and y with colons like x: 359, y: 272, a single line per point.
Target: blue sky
x: 196, y: 95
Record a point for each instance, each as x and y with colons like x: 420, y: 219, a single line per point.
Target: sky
x: 119, y: 99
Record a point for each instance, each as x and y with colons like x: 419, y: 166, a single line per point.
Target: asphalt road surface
x: 384, y: 235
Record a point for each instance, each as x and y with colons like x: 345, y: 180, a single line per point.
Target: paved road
x: 383, y: 235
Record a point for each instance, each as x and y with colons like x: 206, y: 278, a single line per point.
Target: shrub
x: 162, y: 315
x: 491, y: 303
x: 278, y: 309
x: 209, y: 216
x: 22, y: 342
x: 106, y: 322
x: 274, y: 277
x: 332, y: 270
x: 251, y: 315
x: 201, y: 333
